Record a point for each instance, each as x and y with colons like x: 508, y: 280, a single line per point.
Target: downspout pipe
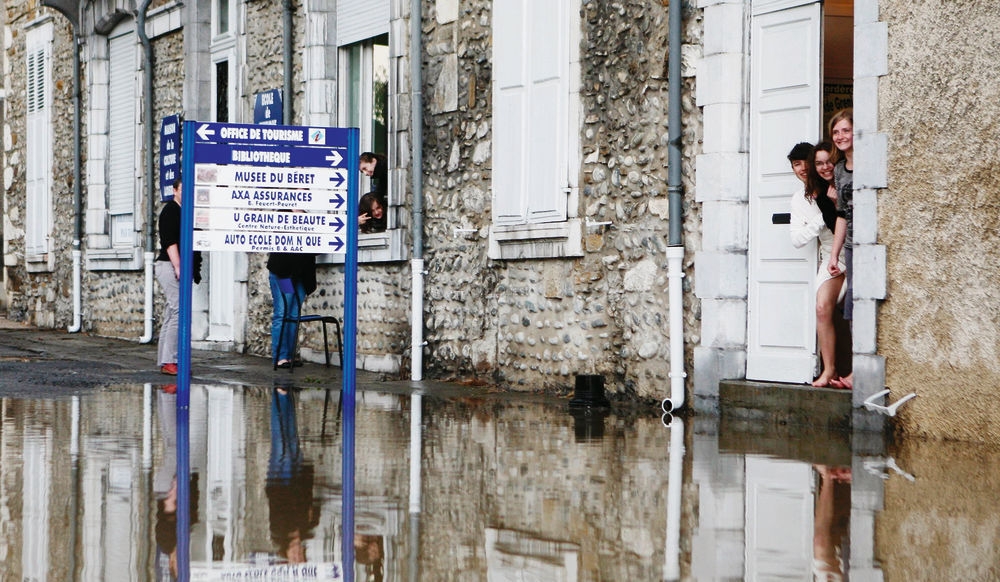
x: 675, y: 245
x: 147, y: 53
x: 416, y: 178
x: 286, y: 36
x: 77, y: 196
x: 72, y: 11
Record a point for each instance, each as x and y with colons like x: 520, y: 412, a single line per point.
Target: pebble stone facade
x: 522, y: 324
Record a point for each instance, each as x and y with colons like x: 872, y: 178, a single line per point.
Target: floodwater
x: 491, y: 488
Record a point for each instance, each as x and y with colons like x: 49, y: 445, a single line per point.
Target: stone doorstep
x: 822, y: 409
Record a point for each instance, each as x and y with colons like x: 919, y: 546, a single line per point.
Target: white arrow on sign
x: 204, y: 132
x: 334, y: 158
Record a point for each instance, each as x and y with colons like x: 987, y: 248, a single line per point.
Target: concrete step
x: 786, y: 404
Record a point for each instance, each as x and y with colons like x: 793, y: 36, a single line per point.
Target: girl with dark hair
x: 371, y: 213
x: 813, y: 218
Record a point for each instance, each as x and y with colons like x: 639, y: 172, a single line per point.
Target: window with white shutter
x: 38, y: 155
x: 535, y: 129
x: 122, y: 135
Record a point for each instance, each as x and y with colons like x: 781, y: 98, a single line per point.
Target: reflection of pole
x: 675, y: 476
x: 147, y: 426
x: 349, y: 364
x: 74, y: 479
x: 416, y: 447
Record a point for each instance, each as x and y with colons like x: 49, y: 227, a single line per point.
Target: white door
x: 779, y: 520
x: 785, y: 98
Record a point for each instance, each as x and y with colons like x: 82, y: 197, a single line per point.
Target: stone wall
x: 39, y: 298
x: 535, y: 324
x: 939, y: 328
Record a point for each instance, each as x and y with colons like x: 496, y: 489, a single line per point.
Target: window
x: 38, y: 201
x: 122, y: 136
x: 535, y: 144
x: 365, y: 93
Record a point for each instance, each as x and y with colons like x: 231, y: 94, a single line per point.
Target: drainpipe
x: 77, y: 176
x: 417, y: 161
x: 675, y: 248
x: 286, y: 35
x: 147, y: 51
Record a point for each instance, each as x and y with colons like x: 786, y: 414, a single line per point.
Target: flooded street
x: 492, y: 487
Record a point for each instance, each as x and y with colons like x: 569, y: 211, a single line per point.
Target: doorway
x: 801, y: 61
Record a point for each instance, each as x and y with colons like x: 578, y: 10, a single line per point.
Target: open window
x: 365, y: 84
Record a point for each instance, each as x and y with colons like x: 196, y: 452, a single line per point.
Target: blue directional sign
x: 170, y: 158
x: 267, y: 108
x: 292, y: 156
x: 248, y: 134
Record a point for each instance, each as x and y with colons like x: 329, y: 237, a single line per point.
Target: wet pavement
x: 451, y: 482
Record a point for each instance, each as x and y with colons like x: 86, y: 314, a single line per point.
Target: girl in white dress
x: 813, y: 218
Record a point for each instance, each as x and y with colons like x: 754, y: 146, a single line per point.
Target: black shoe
x: 284, y: 365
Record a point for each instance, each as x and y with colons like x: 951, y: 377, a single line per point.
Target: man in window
x: 375, y: 167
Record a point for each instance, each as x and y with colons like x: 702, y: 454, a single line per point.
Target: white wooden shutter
x: 121, y: 134
x: 38, y: 223
x: 359, y: 20
x: 509, y: 112
x: 530, y: 115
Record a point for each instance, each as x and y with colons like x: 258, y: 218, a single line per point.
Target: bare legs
x: 826, y: 302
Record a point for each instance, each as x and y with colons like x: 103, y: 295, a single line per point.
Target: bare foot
x: 825, y: 380
x: 845, y: 383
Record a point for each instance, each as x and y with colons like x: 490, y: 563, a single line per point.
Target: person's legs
x: 848, y: 380
x: 826, y: 302
x: 291, y: 329
x: 166, y: 351
x: 285, y: 337
x: 277, y: 315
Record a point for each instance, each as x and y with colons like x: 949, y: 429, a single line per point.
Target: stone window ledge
x: 120, y: 259
x: 537, y: 241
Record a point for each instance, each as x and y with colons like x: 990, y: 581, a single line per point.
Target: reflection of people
x: 289, y: 487
x: 368, y: 550
x: 371, y: 213
x: 813, y: 213
x: 842, y: 134
x: 831, y: 524
x: 168, y: 273
x: 301, y: 269
x: 375, y: 167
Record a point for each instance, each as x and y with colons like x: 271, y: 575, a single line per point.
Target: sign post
x: 237, y: 180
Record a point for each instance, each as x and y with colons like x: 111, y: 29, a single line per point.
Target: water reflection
x: 486, y: 488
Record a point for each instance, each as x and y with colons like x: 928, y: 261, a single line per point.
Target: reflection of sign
x: 213, y: 571
x: 267, y: 108
x: 267, y: 242
x: 267, y: 220
x: 170, y: 159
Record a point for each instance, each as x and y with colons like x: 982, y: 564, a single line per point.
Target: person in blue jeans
x: 300, y: 268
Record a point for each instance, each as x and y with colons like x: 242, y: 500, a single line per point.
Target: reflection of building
x: 125, y: 466
x: 548, y: 148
